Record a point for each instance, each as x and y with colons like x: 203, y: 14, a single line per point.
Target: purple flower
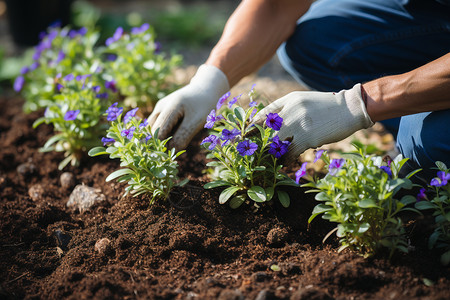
x: 34, y: 66
x: 157, y: 47
x: 82, y: 31
x: 96, y: 89
x: 228, y: 135
x: 113, y: 112
x: 116, y: 36
x: 387, y: 170
x: 111, y: 57
x: 234, y: 100
x: 222, y: 100
x: 37, y: 54
x: 107, y: 141
x: 301, y: 172
x: 111, y: 85
x: 278, y: 148
x: 69, y: 77
x: 144, y: 124
x: 211, y: 119
x: 128, y: 133
x: 213, y: 139
x: 102, y: 96
x: 59, y: 86
x: 130, y: 115
x: 335, y: 165
x: 61, y: 56
x: 253, y: 114
x: 318, y: 155
x: 421, y: 195
x: 149, y: 136
x: 138, y: 30
x: 274, y: 121
x: 72, y: 33
x: 71, y: 115
x: 82, y: 78
x: 441, y: 180
x: 18, y: 83
x: 252, y: 103
x: 24, y: 70
x: 246, y: 148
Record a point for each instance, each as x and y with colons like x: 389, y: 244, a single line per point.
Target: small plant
x: 358, y: 193
x: 439, y: 188
x: 247, y: 165
x: 149, y: 167
x: 75, y: 112
x: 138, y: 66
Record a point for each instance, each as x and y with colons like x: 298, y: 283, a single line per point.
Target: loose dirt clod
x: 67, y: 180
x: 36, y: 192
x: 103, y: 246
x: 84, y: 197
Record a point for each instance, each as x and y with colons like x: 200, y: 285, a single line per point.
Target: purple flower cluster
x: 335, y: 166
x: 116, y: 36
x: 421, y: 195
x: 441, y: 179
x: 138, y: 30
x: 113, y: 112
x: 234, y: 100
x: 18, y: 83
x: 128, y: 133
x: 222, y: 100
x: 274, y: 121
x: 71, y: 115
x: 246, y: 148
x: 318, y: 155
x: 278, y: 148
x: 211, y: 119
x: 107, y: 141
x: 229, y: 136
x: 111, y: 85
x: 387, y: 170
x: 213, y: 140
x: 129, y: 115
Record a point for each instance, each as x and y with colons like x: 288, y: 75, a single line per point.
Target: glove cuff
x: 357, y: 107
x: 212, y: 80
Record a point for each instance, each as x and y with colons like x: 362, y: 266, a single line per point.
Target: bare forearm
x: 423, y: 89
x: 252, y: 35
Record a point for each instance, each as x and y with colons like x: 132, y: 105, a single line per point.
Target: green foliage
x: 140, y: 69
x: 254, y: 175
x: 439, y: 204
x: 74, y: 137
x: 148, y: 166
x: 359, y: 193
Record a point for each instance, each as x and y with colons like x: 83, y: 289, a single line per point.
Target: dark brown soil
x: 186, y: 248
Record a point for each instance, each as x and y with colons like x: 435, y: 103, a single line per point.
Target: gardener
x: 397, y: 49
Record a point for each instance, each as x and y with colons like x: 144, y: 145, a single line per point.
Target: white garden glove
x: 189, y: 105
x: 312, y: 119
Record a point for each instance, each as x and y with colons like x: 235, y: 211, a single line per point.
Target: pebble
x: 264, y: 295
x: 36, y: 192
x: 67, y: 180
x: 231, y: 295
x: 84, y: 197
x: 277, y: 236
x: 26, y: 169
x: 260, y: 276
x: 103, y: 246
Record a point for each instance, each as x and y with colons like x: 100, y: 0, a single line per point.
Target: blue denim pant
x: 339, y: 43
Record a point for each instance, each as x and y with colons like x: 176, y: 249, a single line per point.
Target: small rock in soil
x: 264, y: 295
x: 260, y: 276
x: 231, y: 295
x: 27, y: 169
x: 62, y: 239
x: 36, y: 192
x: 103, y: 246
x: 67, y: 180
x: 84, y: 197
x: 277, y: 236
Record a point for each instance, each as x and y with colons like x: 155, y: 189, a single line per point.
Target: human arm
x: 312, y: 119
x: 426, y: 88
x: 251, y: 36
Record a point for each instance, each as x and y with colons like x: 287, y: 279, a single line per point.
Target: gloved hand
x: 189, y: 105
x: 312, y: 119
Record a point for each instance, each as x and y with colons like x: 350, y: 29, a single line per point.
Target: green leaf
x: 97, y: 151
x: 237, y: 201
x: 270, y: 191
x: 441, y: 166
x: 289, y: 182
x: 214, y: 184
x: 284, y: 198
x: 445, y: 258
x: 257, y: 194
x: 408, y: 199
x: 239, y: 113
x: 322, y: 196
x: 422, y: 205
x: 228, y: 193
x: 118, y: 173
x: 367, y: 203
x: 321, y: 208
x: 260, y: 168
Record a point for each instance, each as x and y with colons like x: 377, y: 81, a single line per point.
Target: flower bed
x: 189, y: 246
